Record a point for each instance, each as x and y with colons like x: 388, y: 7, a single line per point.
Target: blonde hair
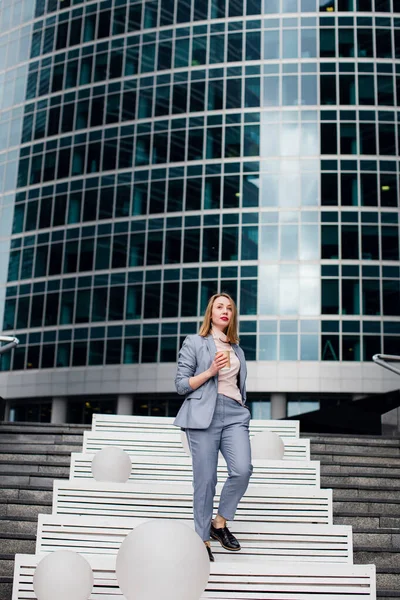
x: 231, y: 330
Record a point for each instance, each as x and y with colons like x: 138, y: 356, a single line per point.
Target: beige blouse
x: 227, y: 380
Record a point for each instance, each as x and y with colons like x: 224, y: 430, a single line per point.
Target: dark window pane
x: 193, y: 194
x: 154, y: 248
x: 249, y: 243
x: 230, y: 243
x: 327, y: 42
x: 120, y: 249
x: 82, y: 306
x: 248, y: 297
x: 391, y: 298
x: 371, y: 345
x: 79, y: 353
x: 387, y: 140
x: 157, y: 197
x: 371, y: 304
x: 116, y: 303
x: 51, y: 310
x: 134, y: 302
x: 189, y: 298
x: 390, y: 243
x: 349, y: 189
x: 330, y: 347
x: 173, y: 246
x: 231, y: 192
x: 328, y: 138
x: 37, y: 310
x: 351, y: 349
x: 99, y: 304
x: 131, y: 351
x: 67, y: 308
x: 191, y: 247
x: 349, y: 241
x: 369, y: 189
x: 152, y: 301
x: 175, y: 195
x: 388, y: 190
x: 136, y: 251
x: 170, y: 299
x: 48, y: 355
x: 168, y: 349
x: 23, y: 312
x: 370, y: 242
x: 149, y: 350
x: 96, y: 352
x: 113, y: 352
x: 350, y: 297
x: 330, y: 297
x: 210, y: 244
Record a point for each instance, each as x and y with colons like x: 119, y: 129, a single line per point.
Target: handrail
x: 12, y: 342
x: 380, y: 359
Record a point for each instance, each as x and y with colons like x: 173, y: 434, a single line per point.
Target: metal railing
x: 11, y: 342
x: 383, y: 359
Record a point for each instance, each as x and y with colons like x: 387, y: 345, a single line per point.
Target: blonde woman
x: 211, y: 373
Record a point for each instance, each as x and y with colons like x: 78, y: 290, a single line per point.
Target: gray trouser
x: 228, y: 432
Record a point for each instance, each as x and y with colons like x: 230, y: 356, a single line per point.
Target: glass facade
x: 155, y: 152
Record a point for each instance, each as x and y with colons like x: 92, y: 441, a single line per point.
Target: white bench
x: 170, y: 443
x: 179, y: 469
x: 136, y: 423
x: 232, y: 580
x: 174, y: 500
x: 281, y: 542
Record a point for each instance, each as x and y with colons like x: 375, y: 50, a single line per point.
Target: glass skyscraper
x: 154, y: 152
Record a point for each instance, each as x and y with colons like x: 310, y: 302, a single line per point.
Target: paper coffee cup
x: 228, y: 355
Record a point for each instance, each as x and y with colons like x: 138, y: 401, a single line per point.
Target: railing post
x: 11, y: 342
x: 383, y: 359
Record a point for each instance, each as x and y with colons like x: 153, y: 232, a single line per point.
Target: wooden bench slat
x: 324, y: 543
x: 301, y: 504
x: 120, y: 423
x: 234, y: 579
x: 170, y: 442
x: 179, y: 469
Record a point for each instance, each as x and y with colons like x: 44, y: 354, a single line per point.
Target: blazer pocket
x: 195, y: 394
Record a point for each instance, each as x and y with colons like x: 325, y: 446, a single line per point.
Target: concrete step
x: 387, y: 580
x: 363, y: 469
x: 354, y: 458
x: 364, y: 449
x: 14, y: 543
x: 332, y: 438
x: 21, y: 525
x: 31, y: 447
x: 9, y: 461
x: 375, y: 538
x: 47, y: 455
x: 24, y: 508
x: 44, y: 438
x: 383, y: 558
x: 365, y: 493
x: 360, y: 481
x: 33, y: 494
x: 354, y: 508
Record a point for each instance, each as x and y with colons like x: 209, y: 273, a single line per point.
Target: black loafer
x: 210, y: 554
x: 225, y: 538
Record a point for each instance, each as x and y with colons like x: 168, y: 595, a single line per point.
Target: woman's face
x: 222, y: 312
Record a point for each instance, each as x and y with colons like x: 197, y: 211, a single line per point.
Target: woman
x: 215, y: 418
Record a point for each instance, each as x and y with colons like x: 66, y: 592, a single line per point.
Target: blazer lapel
x: 212, y: 348
x: 242, y: 364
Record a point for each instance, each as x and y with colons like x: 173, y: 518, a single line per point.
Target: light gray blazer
x: 196, y: 355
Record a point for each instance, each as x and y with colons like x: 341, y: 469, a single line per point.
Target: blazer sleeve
x: 186, y: 368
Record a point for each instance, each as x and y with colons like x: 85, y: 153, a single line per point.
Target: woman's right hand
x: 220, y: 361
